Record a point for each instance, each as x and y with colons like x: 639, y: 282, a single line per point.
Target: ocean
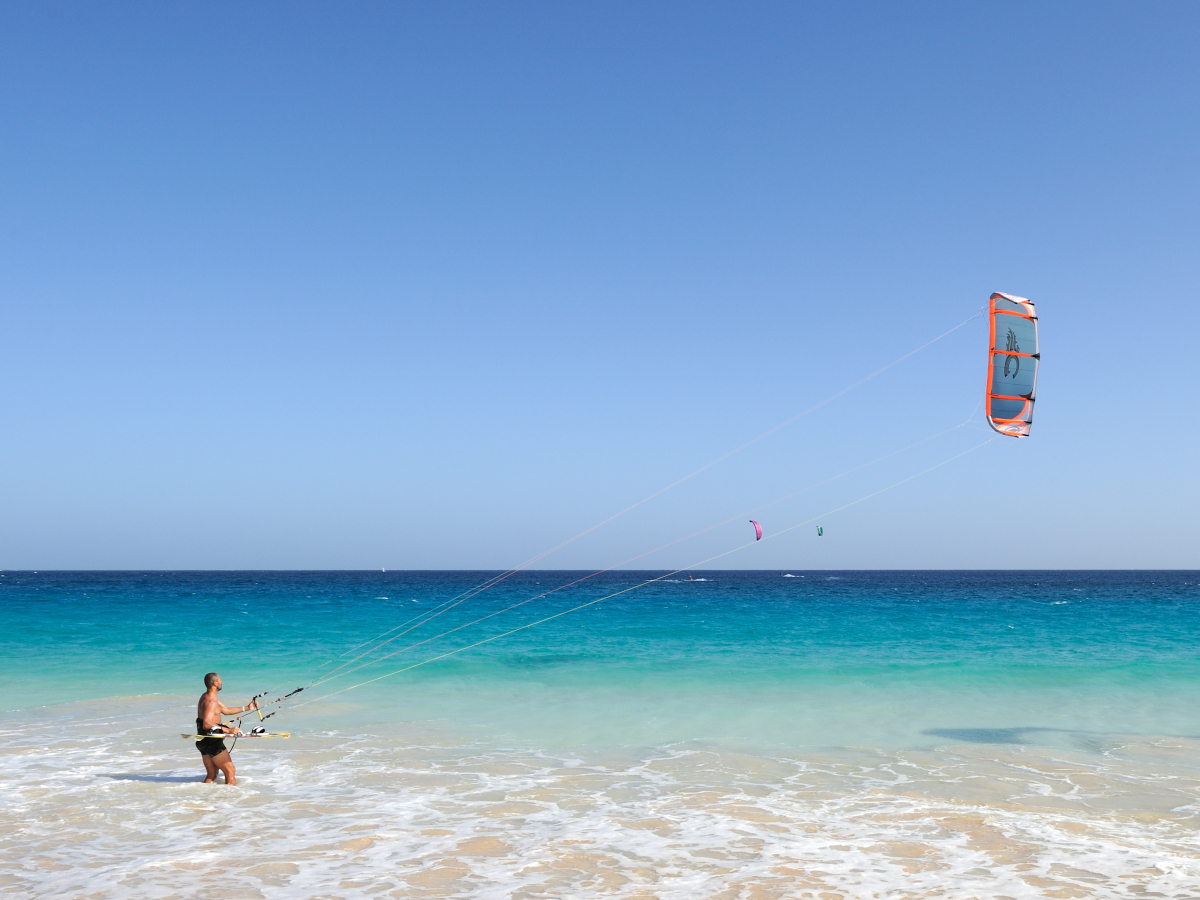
x: 728, y: 735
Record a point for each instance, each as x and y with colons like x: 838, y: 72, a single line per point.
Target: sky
x: 430, y: 286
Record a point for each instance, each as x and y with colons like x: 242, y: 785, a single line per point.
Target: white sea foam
x: 102, y: 807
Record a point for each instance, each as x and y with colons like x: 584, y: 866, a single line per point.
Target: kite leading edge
x: 1012, y: 365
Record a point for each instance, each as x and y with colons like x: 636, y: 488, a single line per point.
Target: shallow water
x: 830, y: 735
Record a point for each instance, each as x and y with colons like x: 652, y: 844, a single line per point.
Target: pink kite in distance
x: 757, y: 530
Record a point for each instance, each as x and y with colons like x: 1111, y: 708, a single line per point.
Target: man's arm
x: 230, y: 710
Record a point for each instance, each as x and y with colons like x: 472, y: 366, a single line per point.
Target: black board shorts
x: 210, y: 746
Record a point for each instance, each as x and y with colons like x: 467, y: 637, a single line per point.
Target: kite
x: 757, y: 530
x: 820, y: 531
x: 1013, y: 364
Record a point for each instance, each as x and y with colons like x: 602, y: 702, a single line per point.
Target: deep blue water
x: 1121, y: 647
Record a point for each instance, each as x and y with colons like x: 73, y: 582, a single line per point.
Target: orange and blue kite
x: 1013, y: 366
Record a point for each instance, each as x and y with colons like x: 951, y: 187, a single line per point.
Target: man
x: 208, y: 721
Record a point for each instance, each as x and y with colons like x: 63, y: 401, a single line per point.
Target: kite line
x: 342, y: 670
x: 643, y: 583
x: 395, y: 633
x: 450, y: 604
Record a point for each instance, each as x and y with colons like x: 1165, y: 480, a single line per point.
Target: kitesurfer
x: 208, y: 722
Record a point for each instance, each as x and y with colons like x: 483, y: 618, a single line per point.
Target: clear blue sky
x: 440, y: 285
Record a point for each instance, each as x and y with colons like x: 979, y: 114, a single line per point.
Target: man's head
x: 211, y: 680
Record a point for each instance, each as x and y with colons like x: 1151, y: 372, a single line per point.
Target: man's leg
x: 224, y: 762
x: 210, y: 770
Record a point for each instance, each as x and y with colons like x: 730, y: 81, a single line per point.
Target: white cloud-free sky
x: 442, y: 285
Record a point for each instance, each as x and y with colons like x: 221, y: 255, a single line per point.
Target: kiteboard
x: 238, y: 737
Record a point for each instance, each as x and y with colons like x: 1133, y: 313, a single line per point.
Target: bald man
x: 208, y: 722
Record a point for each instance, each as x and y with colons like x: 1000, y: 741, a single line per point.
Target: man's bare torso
x: 208, y: 711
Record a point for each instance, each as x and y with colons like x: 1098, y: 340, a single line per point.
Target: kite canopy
x: 757, y: 530
x: 1013, y: 364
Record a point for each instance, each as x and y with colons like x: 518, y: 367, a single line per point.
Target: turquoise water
x: 761, y: 658
x: 742, y: 734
